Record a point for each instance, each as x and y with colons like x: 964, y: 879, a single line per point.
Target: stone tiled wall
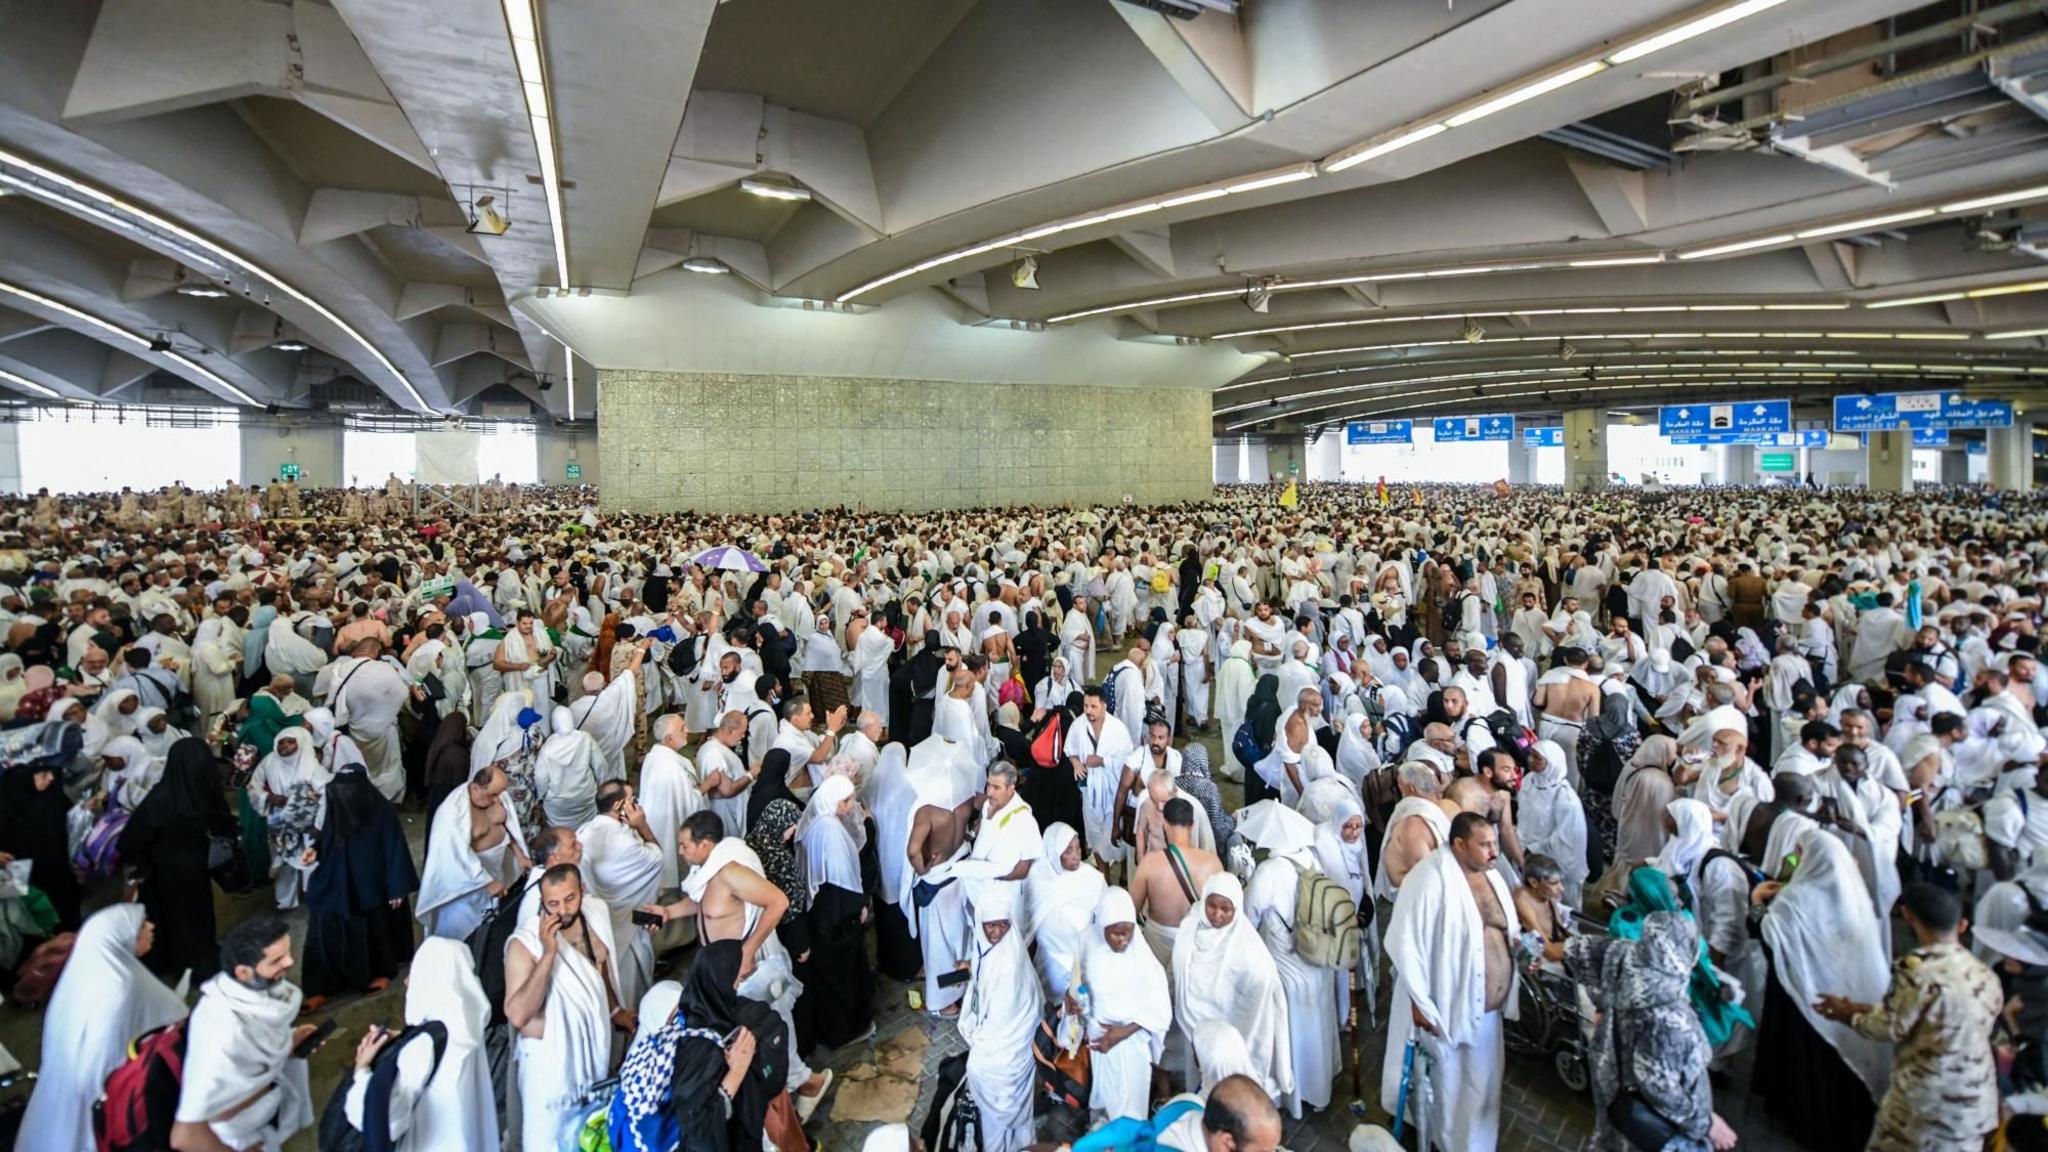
x: 736, y: 443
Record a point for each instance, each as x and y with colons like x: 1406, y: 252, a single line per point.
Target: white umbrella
x: 1275, y: 827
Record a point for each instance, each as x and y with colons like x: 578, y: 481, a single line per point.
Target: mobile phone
x: 729, y: 1038
x: 648, y: 919
x: 305, y: 1047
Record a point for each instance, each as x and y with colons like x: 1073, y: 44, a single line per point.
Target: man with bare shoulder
x: 1168, y: 882
x: 938, y: 913
x: 732, y: 898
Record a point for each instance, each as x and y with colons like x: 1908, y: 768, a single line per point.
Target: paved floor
x: 1539, y: 1113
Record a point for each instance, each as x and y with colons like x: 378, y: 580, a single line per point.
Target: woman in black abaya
x: 167, y: 841
x: 32, y: 810
x: 1262, y: 712
x: 710, y: 1119
x: 1053, y: 795
x: 358, y: 931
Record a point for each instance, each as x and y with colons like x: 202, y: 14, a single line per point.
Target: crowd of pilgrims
x: 1736, y: 787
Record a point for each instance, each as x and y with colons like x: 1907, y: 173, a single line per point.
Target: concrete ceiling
x: 335, y: 149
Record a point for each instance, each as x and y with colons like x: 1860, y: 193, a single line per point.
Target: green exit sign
x: 575, y: 471
x: 288, y: 472
x: 1777, y: 462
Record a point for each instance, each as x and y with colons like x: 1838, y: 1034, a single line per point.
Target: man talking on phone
x: 624, y: 869
x: 562, y: 998
x: 245, y: 1084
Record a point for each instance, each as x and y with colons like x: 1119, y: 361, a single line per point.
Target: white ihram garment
x: 1127, y: 987
x: 573, y: 1052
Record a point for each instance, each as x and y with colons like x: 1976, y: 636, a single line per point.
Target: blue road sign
x: 1804, y: 438
x: 1891, y: 411
x: 1722, y: 423
x: 1922, y: 438
x: 1450, y: 428
x: 1380, y: 432
x: 1552, y: 437
x: 1977, y: 448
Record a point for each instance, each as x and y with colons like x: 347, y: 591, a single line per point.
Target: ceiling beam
x: 1206, y: 57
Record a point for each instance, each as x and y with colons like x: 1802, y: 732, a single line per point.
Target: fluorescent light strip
x: 20, y: 381
x: 124, y: 334
x: 1235, y: 186
x: 1569, y: 74
x: 1615, y: 261
x: 223, y: 254
x: 531, y: 63
x: 1657, y: 42
x: 1738, y: 246
x: 1527, y: 92
x: 569, y: 357
x: 2021, y: 334
x: 1553, y: 337
x: 1997, y: 199
x: 1865, y: 225
x: 1320, y: 325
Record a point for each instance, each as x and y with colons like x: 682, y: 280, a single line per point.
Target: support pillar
x: 1226, y: 461
x: 1888, y: 462
x: 1521, y: 463
x: 1287, y: 458
x: 1955, y: 466
x: 10, y: 459
x: 2010, y: 456
x: 1738, y: 464
x: 1585, y: 449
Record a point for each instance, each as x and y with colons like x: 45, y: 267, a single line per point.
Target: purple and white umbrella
x: 726, y: 558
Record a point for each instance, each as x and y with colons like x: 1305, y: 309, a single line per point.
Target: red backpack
x: 141, y: 1101
x: 1045, y: 747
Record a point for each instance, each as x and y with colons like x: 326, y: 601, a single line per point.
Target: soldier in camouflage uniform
x: 1939, y: 1012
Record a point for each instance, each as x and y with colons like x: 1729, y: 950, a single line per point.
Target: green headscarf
x: 1650, y: 890
x: 266, y: 720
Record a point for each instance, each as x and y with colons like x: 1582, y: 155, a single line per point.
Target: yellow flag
x: 1417, y: 493
x: 1291, y: 497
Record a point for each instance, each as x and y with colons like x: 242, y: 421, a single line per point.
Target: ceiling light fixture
x: 1698, y: 26
x: 1935, y: 298
x: 1864, y: 225
x: 522, y: 24
x: 706, y: 265
x: 201, y: 291
x: 1216, y: 191
x: 1024, y: 273
x: 774, y: 189
x: 1615, y: 261
x: 20, y: 381
x: 1997, y: 199
x: 290, y: 345
x: 181, y: 238
x: 1527, y: 92
x: 1258, y: 297
x: 2022, y: 334
x: 1737, y: 246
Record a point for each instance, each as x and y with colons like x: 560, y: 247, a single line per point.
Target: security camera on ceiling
x: 488, y: 219
x: 1024, y: 273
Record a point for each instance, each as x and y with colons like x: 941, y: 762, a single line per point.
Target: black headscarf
x: 711, y: 1007
x: 189, y: 795
x: 924, y: 667
x: 364, y: 862
x: 1262, y: 711
x: 772, y: 786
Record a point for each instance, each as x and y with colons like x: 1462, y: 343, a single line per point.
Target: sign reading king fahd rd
x: 1723, y: 423
x: 1891, y: 411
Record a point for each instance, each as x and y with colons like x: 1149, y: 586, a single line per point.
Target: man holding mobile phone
x: 245, y: 1083
x: 623, y: 865
x: 560, y: 999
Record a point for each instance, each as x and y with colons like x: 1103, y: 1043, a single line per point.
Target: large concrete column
x: 10, y: 459
x: 315, y: 448
x: 2010, y: 453
x: 1521, y: 463
x: 1738, y: 464
x: 1585, y: 449
x: 1325, y: 456
x: 1955, y: 466
x: 1888, y: 461
x: 1226, y: 461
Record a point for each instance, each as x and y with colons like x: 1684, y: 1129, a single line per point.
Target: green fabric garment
x: 266, y: 720
x: 255, y: 834
x: 1650, y: 890
x: 40, y: 911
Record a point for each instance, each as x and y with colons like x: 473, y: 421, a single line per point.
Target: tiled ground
x: 1539, y: 1113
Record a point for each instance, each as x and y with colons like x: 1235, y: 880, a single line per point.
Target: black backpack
x: 487, y: 946
x: 337, y: 1134
x: 684, y: 655
x: 744, y: 749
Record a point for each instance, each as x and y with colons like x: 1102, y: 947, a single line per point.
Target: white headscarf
x: 1823, y: 935
x: 104, y: 999
x: 1682, y: 854
x: 1341, y: 861
x: 830, y: 854
x: 1127, y: 987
